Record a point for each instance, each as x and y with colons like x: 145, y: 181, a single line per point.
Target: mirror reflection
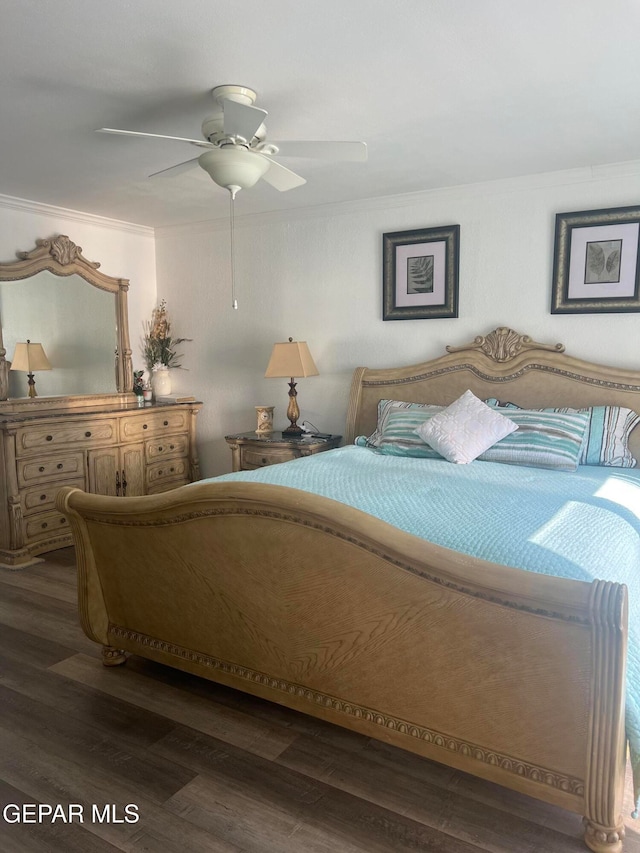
x: 76, y: 325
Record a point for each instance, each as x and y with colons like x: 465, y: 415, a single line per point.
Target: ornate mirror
x: 54, y: 296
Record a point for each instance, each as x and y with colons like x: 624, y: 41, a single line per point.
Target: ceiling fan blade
x: 199, y: 142
x: 241, y: 119
x: 280, y: 177
x: 175, y: 170
x: 355, y: 152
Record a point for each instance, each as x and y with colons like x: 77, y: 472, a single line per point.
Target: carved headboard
x: 502, y: 364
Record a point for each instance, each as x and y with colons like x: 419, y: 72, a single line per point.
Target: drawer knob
x: 49, y: 438
x: 44, y: 524
x: 264, y: 460
x: 87, y: 434
x: 43, y: 497
x: 159, y: 473
x: 41, y: 468
x: 59, y: 466
x: 63, y: 520
x: 159, y: 448
x: 144, y: 426
x: 171, y: 446
x: 166, y: 423
x: 172, y: 470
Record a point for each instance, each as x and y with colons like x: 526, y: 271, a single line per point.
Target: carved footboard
x: 327, y: 610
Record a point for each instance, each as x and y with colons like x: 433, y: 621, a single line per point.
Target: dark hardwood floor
x: 211, y: 770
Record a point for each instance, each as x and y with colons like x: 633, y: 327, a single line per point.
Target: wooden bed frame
x: 320, y: 607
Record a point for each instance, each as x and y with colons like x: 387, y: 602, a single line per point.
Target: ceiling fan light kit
x: 237, y: 154
x: 233, y: 167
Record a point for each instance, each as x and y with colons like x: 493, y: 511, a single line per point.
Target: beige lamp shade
x: 291, y: 358
x: 29, y: 357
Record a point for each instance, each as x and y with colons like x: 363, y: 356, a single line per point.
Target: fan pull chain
x: 234, y: 301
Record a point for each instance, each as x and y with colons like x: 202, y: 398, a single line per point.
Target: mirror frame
x: 60, y: 256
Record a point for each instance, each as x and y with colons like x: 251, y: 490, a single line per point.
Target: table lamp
x: 293, y: 359
x: 29, y: 357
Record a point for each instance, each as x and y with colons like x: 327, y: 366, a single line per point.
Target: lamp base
x: 292, y: 432
x: 293, y: 413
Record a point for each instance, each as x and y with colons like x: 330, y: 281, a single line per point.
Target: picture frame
x: 596, y: 265
x: 420, y: 273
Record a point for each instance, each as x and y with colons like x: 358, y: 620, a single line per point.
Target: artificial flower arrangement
x: 158, y: 346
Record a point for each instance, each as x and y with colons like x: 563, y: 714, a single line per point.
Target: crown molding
x: 580, y: 175
x: 41, y: 209
x: 501, y: 186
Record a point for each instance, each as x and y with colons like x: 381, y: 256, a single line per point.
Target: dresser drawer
x: 169, y: 469
x: 167, y: 485
x: 257, y: 458
x: 162, y: 448
x: 95, y: 444
x: 156, y: 423
x: 45, y: 524
x: 33, y: 439
x: 39, y: 498
x: 58, y: 465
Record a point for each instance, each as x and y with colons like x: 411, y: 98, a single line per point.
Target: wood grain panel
x: 81, y: 433
x: 213, y: 770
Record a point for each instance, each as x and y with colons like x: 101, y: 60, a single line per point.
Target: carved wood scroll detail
x: 542, y: 775
x: 61, y: 249
x: 503, y: 344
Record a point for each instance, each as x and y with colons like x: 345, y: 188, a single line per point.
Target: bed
x: 290, y: 593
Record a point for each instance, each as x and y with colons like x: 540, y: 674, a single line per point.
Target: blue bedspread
x: 583, y: 525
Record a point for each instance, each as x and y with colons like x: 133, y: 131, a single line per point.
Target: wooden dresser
x: 115, y: 449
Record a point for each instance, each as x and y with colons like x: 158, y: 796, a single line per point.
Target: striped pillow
x: 608, y: 431
x: 542, y: 440
x: 399, y: 436
x: 386, y: 408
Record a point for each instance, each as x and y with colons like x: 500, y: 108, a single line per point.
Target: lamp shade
x: 29, y: 357
x: 291, y: 358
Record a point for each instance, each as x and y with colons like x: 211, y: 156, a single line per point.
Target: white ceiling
x: 444, y: 92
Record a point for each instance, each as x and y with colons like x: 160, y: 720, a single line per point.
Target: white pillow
x: 465, y: 429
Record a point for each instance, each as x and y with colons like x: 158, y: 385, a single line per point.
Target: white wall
x: 123, y: 250
x: 316, y: 275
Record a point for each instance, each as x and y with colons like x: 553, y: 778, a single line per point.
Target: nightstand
x: 250, y: 450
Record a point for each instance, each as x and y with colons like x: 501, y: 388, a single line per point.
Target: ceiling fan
x: 236, y: 154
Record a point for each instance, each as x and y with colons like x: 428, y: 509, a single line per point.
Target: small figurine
x: 138, y: 384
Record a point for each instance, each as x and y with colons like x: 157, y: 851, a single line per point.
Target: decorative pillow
x: 465, y: 429
x: 399, y: 435
x: 387, y: 408
x: 543, y: 440
x: 607, y: 435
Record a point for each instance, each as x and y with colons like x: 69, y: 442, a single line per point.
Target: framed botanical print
x: 595, y: 265
x: 420, y: 273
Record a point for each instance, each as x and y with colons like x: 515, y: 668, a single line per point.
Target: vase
x: 161, y: 382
